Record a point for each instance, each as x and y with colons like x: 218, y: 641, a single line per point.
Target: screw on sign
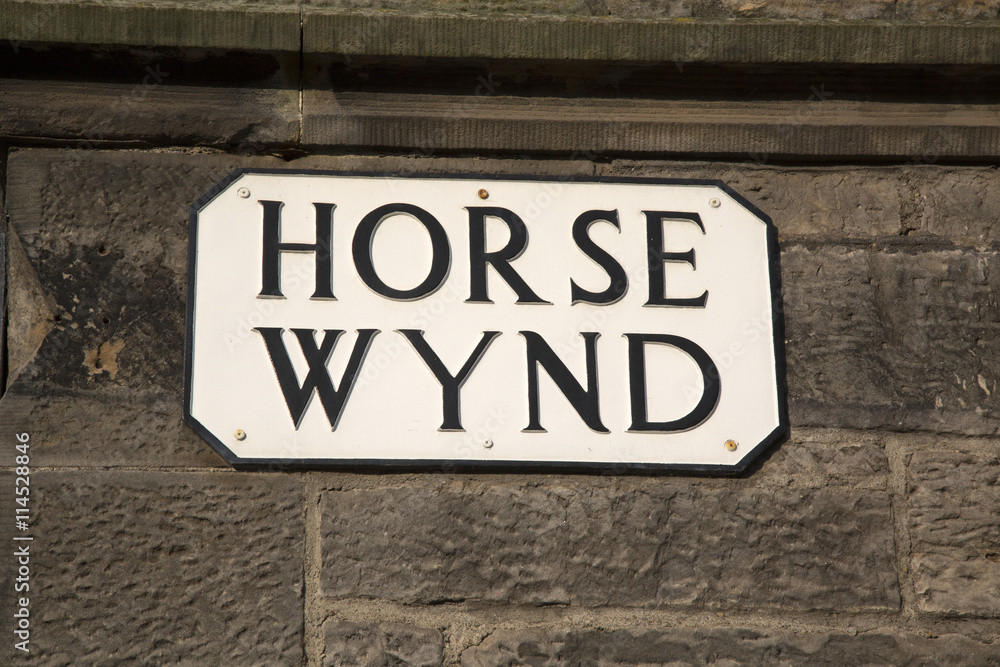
x: 567, y: 324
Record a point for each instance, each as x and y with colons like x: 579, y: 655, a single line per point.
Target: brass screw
x: 483, y: 194
x: 240, y: 434
x: 731, y: 445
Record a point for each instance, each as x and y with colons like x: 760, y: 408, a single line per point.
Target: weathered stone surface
x: 894, y: 339
x: 493, y: 29
x: 545, y: 648
x: 818, y: 460
x: 802, y: 9
x: 72, y: 429
x: 954, y: 502
x: 31, y: 309
x: 929, y: 10
x: 355, y: 33
x: 154, y: 109
x: 830, y: 128
x: 167, y: 568
x: 955, y: 202
x: 107, y: 235
x: 377, y: 644
x: 775, y: 9
x: 269, y: 25
x: 811, y: 203
x: 660, y: 544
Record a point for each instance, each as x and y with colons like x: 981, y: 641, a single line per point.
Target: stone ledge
x: 273, y: 26
x: 733, y: 41
x: 248, y: 119
x: 831, y: 129
x: 217, y: 25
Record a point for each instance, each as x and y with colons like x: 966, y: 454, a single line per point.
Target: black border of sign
x: 779, y: 434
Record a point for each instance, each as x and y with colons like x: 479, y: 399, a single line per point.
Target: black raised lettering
x: 440, y: 255
x: 637, y: 382
x: 585, y: 402
x: 657, y: 256
x: 480, y: 260
x: 273, y: 247
x: 451, y: 385
x: 618, y: 280
x: 318, y: 378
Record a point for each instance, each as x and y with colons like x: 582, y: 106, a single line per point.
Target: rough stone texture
x: 958, y: 203
x: 922, y: 202
x: 73, y: 428
x: 929, y: 10
x: 954, y: 502
x: 777, y: 9
x: 378, y: 644
x: 590, y: 648
x: 813, y: 129
x: 811, y: 203
x: 660, y: 544
x: 149, y: 110
x: 107, y: 234
x: 30, y: 307
x: 896, y: 339
x: 822, y: 459
x: 168, y: 568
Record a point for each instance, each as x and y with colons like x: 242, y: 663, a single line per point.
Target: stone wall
x: 870, y: 536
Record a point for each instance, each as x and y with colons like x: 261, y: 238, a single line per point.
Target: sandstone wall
x: 870, y: 536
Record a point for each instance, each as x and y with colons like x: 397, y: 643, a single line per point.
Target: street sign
x: 482, y: 322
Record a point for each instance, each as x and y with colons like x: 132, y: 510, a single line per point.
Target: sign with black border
x: 480, y: 322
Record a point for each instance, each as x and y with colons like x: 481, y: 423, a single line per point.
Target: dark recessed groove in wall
x: 116, y: 64
x: 950, y: 84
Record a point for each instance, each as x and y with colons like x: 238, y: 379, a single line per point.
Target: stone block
x: 736, y: 646
x: 898, y: 339
x: 372, y: 645
x: 824, y: 460
x: 199, y: 568
x: 953, y: 504
x: 657, y: 545
x: 957, y: 203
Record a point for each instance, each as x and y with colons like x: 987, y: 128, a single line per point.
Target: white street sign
x: 473, y: 321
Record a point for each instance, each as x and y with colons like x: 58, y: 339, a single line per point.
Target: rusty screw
x: 240, y: 434
x: 483, y: 194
